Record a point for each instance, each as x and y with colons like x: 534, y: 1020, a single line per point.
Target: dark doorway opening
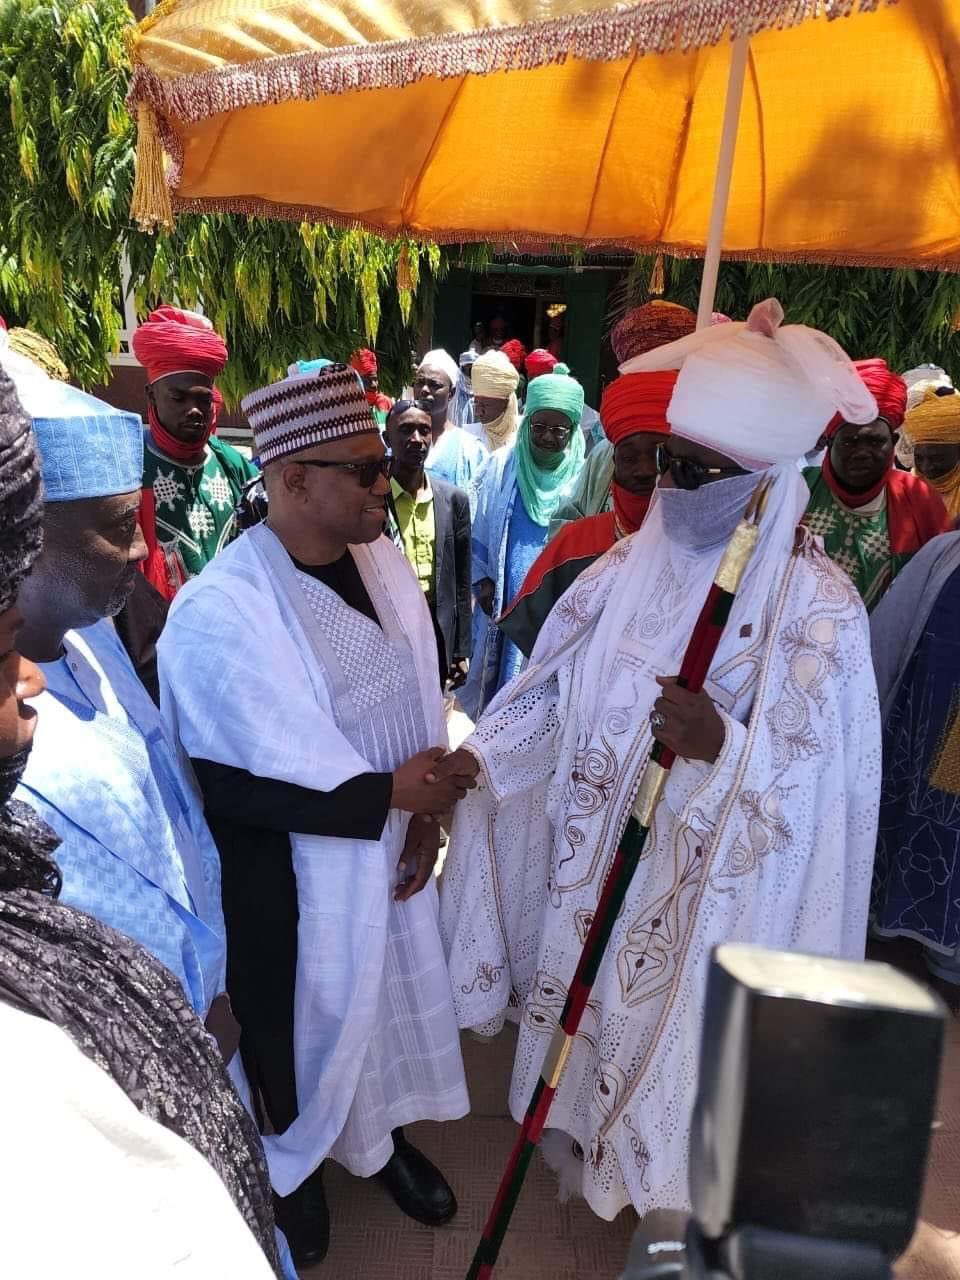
x: 519, y: 315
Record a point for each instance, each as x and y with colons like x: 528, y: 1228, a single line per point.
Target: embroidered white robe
x: 772, y: 844
x: 264, y: 668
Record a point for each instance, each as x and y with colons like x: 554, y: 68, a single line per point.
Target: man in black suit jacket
x: 429, y: 519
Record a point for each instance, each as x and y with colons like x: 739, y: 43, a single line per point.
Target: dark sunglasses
x: 366, y: 473
x: 688, y: 473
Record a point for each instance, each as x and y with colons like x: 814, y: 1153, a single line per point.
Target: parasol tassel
x: 657, y: 283
x: 693, y: 671
x: 150, y: 204
x: 404, y: 278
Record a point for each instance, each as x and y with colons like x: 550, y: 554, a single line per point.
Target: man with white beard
x: 766, y: 830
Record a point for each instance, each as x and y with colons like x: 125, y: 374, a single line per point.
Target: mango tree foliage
x: 907, y: 317
x: 277, y: 291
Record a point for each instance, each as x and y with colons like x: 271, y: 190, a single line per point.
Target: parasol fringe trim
x: 653, y: 26
x: 538, y: 242
x: 150, y: 205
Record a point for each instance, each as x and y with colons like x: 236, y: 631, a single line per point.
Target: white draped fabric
x: 772, y: 844
x: 266, y: 669
x: 131, y: 1197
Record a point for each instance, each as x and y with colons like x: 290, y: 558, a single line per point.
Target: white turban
x: 756, y: 392
x: 920, y: 380
x: 494, y: 376
x: 444, y: 363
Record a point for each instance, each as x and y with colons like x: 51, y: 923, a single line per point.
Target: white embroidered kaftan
x: 772, y: 844
x: 264, y: 668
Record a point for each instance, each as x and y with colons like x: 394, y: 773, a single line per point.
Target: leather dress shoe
x: 417, y: 1185
x: 304, y: 1219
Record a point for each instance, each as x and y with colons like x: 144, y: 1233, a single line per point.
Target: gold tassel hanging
x: 404, y: 278
x: 404, y: 283
x: 955, y: 322
x: 150, y: 204
x: 657, y: 282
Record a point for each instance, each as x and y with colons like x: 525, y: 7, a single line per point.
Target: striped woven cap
x: 305, y: 409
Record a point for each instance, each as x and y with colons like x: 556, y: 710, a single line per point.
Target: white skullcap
x: 444, y: 362
x: 920, y: 380
x: 756, y: 392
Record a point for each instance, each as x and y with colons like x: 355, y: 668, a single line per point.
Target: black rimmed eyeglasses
x: 690, y: 473
x: 366, y: 473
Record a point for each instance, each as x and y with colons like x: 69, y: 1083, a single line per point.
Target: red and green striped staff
x: 693, y: 671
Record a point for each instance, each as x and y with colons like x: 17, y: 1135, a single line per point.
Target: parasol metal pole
x: 721, y: 187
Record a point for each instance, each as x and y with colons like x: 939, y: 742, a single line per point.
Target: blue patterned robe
x: 916, y: 890
x: 136, y: 850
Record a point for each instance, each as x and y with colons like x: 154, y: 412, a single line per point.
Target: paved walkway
x: 550, y: 1241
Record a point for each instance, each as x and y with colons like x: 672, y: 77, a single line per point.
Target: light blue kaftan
x: 457, y: 457
x: 525, y: 541
x: 136, y: 850
x: 505, y: 544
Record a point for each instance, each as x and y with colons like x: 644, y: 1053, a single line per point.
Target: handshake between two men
x: 428, y: 785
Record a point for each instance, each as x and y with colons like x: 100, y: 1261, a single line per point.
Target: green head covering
x: 543, y: 489
x: 556, y: 390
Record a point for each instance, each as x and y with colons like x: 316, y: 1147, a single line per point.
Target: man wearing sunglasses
x: 301, y: 676
x: 766, y: 829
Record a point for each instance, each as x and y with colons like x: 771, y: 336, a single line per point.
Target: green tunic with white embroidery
x: 195, y: 504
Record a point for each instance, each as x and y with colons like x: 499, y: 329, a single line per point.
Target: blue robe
x: 916, y: 889
x: 505, y: 544
x: 136, y: 850
x: 457, y: 458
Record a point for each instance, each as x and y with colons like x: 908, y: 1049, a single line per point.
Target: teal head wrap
x: 308, y: 366
x: 541, y: 488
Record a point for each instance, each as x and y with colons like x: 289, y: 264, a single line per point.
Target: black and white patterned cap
x: 21, y: 495
x: 307, y: 408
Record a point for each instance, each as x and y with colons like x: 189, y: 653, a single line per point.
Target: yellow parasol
x: 576, y: 121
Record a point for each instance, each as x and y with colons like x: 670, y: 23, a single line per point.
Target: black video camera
x: 809, y: 1140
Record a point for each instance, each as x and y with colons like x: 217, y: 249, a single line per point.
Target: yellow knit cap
x: 935, y: 420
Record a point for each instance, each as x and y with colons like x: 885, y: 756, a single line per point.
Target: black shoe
x: 418, y: 1187
x: 304, y: 1219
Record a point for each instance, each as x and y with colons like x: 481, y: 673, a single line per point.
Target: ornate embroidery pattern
x: 647, y: 961
x: 641, y: 1152
x: 485, y: 979
x: 544, y: 1005
x: 812, y: 648
x: 593, y: 781
x: 767, y: 831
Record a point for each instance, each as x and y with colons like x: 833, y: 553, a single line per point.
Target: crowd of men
x: 225, y: 774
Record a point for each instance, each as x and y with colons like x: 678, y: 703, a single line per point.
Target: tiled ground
x: 550, y: 1241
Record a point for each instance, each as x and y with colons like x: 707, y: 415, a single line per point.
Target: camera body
x: 809, y: 1139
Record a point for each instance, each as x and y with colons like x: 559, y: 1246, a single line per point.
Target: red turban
x: 540, y: 362
x: 364, y: 362
x: 887, y: 388
x: 515, y: 352
x: 175, y: 341
x: 637, y: 402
